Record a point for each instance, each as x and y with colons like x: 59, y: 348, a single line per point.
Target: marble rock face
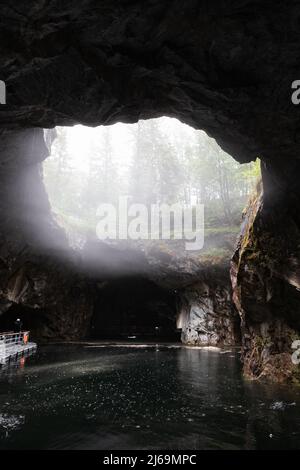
x: 207, y: 316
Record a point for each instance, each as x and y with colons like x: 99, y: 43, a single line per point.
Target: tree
x: 60, y: 179
x: 167, y: 165
x: 102, y: 180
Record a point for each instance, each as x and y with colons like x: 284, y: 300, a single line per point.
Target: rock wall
x: 40, y: 278
x: 225, y: 67
x: 266, y: 290
x: 207, y: 315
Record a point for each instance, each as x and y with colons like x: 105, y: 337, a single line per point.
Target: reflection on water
x: 10, y: 365
x: 142, y: 398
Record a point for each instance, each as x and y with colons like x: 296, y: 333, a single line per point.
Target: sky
x: 80, y: 137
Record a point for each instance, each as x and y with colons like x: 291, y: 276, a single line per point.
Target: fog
x: 158, y: 161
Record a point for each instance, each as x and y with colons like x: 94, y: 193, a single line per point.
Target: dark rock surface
x: 224, y: 67
x: 165, y: 262
x: 265, y: 275
x: 39, y: 275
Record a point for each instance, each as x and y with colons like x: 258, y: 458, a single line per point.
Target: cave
x: 30, y: 318
x: 138, y: 347
x: 226, y: 69
x: 136, y: 309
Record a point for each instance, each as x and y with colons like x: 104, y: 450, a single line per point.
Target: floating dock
x: 14, y: 345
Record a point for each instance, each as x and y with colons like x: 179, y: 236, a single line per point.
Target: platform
x: 13, y: 345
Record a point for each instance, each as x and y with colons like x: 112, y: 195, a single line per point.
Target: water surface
x: 77, y: 397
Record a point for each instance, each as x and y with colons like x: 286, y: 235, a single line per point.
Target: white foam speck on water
x: 277, y: 405
x: 11, y: 422
x: 280, y: 405
x: 69, y: 369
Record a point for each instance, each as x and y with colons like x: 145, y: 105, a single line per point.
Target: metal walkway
x: 13, y: 345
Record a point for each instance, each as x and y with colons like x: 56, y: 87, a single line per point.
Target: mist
x: 158, y: 161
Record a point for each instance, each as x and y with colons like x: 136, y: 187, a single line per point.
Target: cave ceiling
x: 225, y: 67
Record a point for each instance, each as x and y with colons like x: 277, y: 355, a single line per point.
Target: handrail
x: 10, y: 339
x: 12, y: 333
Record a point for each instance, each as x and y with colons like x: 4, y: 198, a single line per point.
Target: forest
x: 154, y: 161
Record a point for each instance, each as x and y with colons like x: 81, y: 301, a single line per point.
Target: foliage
x: 164, y: 166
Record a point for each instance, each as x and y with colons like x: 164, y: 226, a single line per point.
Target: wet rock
x: 207, y: 315
x: 40, y: 278
x: 224, y: 68
x: 264, y: 274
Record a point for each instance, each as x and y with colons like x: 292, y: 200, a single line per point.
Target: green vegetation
x: 161, y: 161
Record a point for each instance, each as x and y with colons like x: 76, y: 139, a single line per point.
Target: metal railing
x: 8, y: 340
x: 13, y: 345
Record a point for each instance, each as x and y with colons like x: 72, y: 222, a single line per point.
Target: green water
x: 67, y: 397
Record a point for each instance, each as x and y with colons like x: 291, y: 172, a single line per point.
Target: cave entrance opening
x: 157, y: 161
x: 153, y: 162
